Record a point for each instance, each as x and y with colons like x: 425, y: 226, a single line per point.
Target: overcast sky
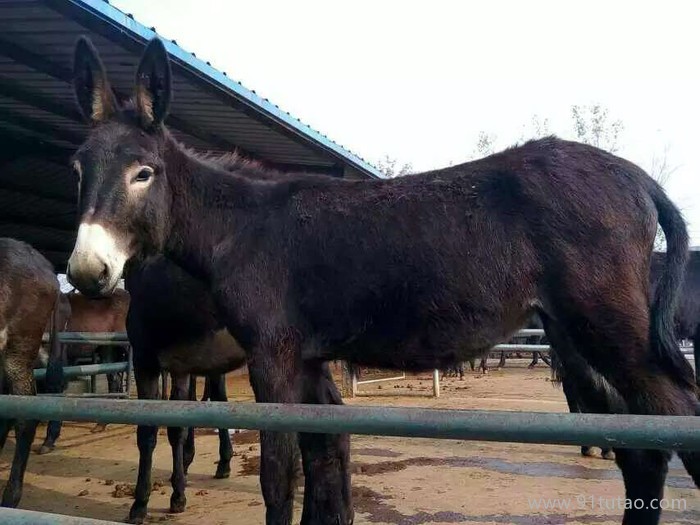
x: 418, y: 81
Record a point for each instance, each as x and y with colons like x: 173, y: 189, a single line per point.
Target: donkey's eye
x: 143, y: 175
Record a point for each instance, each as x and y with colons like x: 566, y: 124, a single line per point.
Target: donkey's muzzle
x: 97, y: 261
x: 91, y: 276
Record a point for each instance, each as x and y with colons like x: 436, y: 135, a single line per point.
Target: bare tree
x: 390, y: 167
x: 593, y: 126
x: 537, y: 128
x: 485, y: 145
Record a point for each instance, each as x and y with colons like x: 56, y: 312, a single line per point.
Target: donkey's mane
x: 254, y: 171
x: 228, y: 161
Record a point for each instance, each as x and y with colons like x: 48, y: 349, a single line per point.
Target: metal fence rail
x: 86, y: 370
x: 29, y: 517
x: 625, y: 431
x: 98, y: 339
x: 93, y: 338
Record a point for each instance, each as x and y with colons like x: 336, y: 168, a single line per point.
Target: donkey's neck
x: 203, y: 201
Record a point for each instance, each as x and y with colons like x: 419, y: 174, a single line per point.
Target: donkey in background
x: 29, y: 301
x: 173, y: 326
x: 413, y: 273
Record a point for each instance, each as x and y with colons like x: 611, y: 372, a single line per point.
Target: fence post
x: 348, y: 383
x: 436, y: 383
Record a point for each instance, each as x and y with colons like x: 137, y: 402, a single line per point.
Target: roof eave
x: 272, y: 113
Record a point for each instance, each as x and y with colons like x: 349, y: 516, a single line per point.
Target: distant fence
x: 93, y: 370
x: 506, y: 347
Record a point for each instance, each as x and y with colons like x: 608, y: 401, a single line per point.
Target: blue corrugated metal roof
x: 39, y: 124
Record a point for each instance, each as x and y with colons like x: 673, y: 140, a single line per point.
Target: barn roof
x: 40, y: 126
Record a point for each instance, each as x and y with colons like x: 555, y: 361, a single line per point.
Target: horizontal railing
x: 86, y: 370
x: 625, y: 431
x: 29, y: 517
x: 93, y: 338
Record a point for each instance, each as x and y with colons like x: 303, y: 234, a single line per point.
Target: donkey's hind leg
x: 5, y: 424
x: 614, y: 340
x: 188, y: 450
x: 325, y: 457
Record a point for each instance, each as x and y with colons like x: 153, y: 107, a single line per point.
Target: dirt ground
x: 395, y: 480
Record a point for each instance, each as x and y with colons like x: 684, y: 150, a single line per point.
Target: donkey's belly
x: 216, y: 353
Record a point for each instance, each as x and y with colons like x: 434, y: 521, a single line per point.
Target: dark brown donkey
x: 173, y: 326
x: 29, y: 293
x: 413, y: 273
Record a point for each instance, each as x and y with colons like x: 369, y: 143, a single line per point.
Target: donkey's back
x: 438, y: 267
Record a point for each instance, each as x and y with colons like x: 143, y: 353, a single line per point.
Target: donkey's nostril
x: 103, y: 278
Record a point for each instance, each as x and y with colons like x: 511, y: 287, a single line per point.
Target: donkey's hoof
x: 44, y: 449
x: 608, y: 454
x: 10, y: 501
x: 223, y: 471
x: 99, y: 427
x: 177, y: 505
x: 137, y: 515
x: 587, y: 452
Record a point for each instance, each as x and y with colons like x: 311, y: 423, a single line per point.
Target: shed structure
x: 40, y: 126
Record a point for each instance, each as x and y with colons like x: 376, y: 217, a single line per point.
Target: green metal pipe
x: 86, y: 370
x: 29, y: 517
x: 626, y: 431
x: 95, y: 338
x: 520, y: 348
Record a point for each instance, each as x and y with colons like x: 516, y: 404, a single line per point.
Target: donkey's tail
x: 663, y: 306
x: 54, y: 368
x: 557, y: 368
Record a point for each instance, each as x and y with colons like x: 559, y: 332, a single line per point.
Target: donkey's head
x: 124, y: 197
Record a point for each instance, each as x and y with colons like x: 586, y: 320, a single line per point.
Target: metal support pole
x: 436, y: 383
x: 129, y: 369
x: 93, y: 377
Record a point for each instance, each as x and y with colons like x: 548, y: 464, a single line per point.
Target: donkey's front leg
x: 326, y: 457
x: 275, y: 378
x: 176, y: 436
x: 146, y: 438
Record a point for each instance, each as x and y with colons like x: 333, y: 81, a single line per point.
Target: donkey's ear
x: 92, y: 90
x: 153, y: 85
